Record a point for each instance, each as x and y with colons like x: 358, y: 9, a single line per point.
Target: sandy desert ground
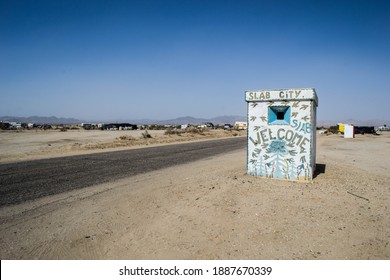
x: 37, y: 144
x: 210, y: 209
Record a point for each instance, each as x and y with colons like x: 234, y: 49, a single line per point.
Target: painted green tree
x: 292, y: 171
x: 278, y: 150
x: 259, y: 167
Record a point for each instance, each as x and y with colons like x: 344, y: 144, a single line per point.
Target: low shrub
x: 146, y: 135
x: 126, y: 138
x: 172, y: 131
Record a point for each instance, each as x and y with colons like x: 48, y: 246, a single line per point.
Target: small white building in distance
x: 349, y: 131
x: 241, y: 125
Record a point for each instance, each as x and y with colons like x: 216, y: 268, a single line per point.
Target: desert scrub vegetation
x: 126, y: 138
x: 146, y: 135
x: 333, y: 129
x: 195, y: 130
x: 189, y: 130
x: 173, y: 131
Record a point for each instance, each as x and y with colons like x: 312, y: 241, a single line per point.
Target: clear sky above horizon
x: 109, y: 60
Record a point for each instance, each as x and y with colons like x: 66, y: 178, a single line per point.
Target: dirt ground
x: 210, y: 209
x: 37, y: 144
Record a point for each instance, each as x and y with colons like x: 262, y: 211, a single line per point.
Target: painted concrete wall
x: 281, y: 133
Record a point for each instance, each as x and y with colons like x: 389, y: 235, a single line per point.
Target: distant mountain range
x: 177, y: 121
x: 192, y: 120
x: 39, y: 120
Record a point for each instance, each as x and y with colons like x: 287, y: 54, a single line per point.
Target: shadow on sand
x: 320, y: 168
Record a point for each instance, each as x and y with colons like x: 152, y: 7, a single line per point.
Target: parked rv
x: 241, y: 125
x: 383, y: 128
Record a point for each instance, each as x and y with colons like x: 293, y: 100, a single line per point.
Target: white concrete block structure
x: 349, y: 131
x: 282, y: 133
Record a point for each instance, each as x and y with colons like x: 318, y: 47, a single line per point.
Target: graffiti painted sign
x: 282, y: 94
x: 281, y: 133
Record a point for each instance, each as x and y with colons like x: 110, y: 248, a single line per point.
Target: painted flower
x: 278, y: 147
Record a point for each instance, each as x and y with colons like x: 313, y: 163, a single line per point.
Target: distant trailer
x: 383, y: 128
x: 241, y: 125
x: 120, y: 126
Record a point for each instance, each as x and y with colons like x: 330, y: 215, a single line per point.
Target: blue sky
x: 109, y: 60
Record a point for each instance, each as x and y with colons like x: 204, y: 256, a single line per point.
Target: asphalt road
x: 29, y: 180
